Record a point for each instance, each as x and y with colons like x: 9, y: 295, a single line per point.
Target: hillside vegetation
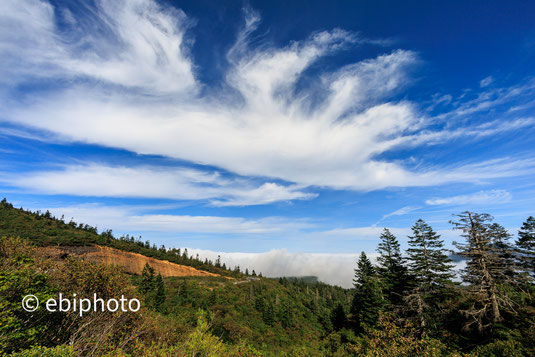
x: 42, y: 229
x: 406, y: 305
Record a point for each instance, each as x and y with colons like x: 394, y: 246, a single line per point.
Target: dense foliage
x: 407, y: 304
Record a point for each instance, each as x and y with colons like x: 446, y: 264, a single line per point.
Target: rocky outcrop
x: 131, y: 263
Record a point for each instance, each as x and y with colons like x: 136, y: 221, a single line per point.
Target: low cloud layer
x: 336, y: 269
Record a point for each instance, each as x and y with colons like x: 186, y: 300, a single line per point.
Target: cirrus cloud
x: 120, y: 74
x: 155, y: 182
x: 481, y: 197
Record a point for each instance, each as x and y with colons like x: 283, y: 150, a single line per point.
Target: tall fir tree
x: 506, y: 271
x: 147, y: 279
x: 286, y: 315
x: 526, y: 246
x: 159, y: 293
x: 212, y: 298
x: 338, y: 317
x: 392, y: 269
x: 484, y: 269
x: 269, y: 314
x: 427, y: 258
x: 364, y: 270
x: 368, y: 300
x: 432, y: 272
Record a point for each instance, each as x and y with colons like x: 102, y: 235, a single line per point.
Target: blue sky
x: 268, y: 125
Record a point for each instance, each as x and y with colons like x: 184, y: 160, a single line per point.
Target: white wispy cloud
x: 481, y: 197
x: 154, y: 182
x: 133, y: 219
x: 400, y: 212
x: 486, y: 81
x: 130, y: 43
x: 124, y: 78
x: 370, y: 233
x: 493, y: 97
x: 487, y: 129
x: 139, y: 218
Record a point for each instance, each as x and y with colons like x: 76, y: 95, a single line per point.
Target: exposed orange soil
x: 132, y: 263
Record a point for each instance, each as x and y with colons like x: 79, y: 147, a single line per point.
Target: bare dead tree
x: 485, y: 267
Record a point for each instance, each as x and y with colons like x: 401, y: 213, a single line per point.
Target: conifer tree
x: 391, y: 267
x: 183, y: 291
x: 259, y: 304
x: 269, y: 314
x: 338, y: 317
x: 429, y: 265
x: 159, y: 292
x: 364, y: 270
x: 286, y: 315
x: 212, y: 298
x: 505, y: 272
x: 526, y: 246
x: 484, y: 268
x: 147, y: 279
x: 367, y: 301
x: 427, y: 258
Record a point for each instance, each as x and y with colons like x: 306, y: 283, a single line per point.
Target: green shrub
x: 508, y: 348
x: 39, y: 351
x: 201, y: 342
x: 18, y: 278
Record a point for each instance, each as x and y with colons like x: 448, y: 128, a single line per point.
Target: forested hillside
x: 406, y: 304
x: 42, y: 229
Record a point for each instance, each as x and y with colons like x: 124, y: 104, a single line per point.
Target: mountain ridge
x: 131, y: 263
x: 45, y: 230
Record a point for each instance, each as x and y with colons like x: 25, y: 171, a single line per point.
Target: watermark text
x: 81, y: 306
